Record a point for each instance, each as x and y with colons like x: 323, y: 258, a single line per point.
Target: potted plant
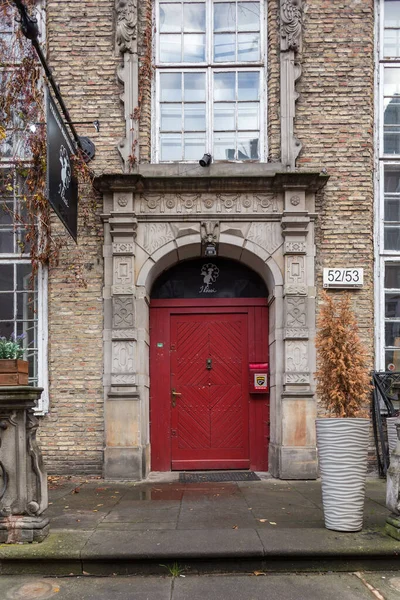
x: 13, y: 370
x: 343, y: 387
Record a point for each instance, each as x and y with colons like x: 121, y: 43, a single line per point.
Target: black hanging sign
x: 62, y: 186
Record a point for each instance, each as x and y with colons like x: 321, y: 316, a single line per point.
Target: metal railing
x: 386, y: 394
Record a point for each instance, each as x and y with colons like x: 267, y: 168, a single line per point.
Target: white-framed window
x: 210, y: 80
x: 387, y: 229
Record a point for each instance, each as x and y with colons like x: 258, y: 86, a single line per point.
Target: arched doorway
x: 208, y: 321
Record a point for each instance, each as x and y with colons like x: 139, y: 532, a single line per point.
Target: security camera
x: 205, y: 161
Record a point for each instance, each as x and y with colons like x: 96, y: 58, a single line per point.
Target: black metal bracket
x: 384, y: 383
x: 30, y: 29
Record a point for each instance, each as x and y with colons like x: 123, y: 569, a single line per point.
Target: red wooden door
x: 210, y: 411
x: 215, y: 423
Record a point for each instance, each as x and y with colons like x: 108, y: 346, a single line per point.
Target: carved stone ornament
x: 291, y: 24
x: 210, y: 232
x: 266, y: 235
x: 156, y: 235
x: 126, y: 26
x: 206, y: 204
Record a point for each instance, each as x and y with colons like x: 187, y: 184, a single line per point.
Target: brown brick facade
x: 334, y: 122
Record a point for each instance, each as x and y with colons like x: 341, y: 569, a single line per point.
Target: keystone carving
x: 125, y: 35
x: 291, y: 24
x: 210, y: 232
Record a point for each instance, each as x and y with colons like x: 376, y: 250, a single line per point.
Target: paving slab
x: 157, y: 545
x: 271, y: 587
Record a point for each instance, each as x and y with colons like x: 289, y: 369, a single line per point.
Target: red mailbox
x: 258, y: 378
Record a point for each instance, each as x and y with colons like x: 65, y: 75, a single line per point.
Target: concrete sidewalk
x: 100, y: 527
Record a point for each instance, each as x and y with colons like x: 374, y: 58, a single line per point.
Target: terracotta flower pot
x: 343, y: 455
x: 13, y: 372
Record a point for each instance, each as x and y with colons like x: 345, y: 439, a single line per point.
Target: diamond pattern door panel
x: 210, y: 416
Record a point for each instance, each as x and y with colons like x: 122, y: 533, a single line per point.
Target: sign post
x: 62, y: 185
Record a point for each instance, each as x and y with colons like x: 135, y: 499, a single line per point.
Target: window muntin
x: 203, y: 106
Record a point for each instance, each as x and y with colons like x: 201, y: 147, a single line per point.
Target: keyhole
x: 209, y: 363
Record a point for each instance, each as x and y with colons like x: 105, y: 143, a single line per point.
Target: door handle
x: 174, y: 394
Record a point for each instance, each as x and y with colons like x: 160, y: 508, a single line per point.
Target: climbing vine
x: 23, y: 152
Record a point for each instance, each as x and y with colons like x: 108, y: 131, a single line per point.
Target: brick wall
x: 335, y: 115
x: 81, y: 54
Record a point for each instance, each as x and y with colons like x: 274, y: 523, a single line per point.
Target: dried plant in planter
x: 343, y: 380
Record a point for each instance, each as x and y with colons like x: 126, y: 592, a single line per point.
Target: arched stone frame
x: 270, y: 273
x: 149, y: 230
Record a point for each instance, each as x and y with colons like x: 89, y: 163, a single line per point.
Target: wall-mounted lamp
x: 205, y: 161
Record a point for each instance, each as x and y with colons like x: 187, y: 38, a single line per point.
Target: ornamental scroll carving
x: 291, y: 25
x: 206, y: 204
x: 126, y: 26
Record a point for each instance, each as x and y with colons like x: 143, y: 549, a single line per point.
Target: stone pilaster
x: 128, y: 73
x: 291, y: 32
x: 297, y: 452
x: 122, y: 414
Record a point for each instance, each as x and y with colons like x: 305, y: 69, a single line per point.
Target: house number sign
x: 343, y: 278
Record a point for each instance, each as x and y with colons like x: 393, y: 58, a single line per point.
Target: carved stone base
x: 392, y: 526
x: 124, y: 463
x: 23, y: 530
x: 292, y: 462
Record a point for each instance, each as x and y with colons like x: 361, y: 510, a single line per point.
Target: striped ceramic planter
x: 343, y: 453
x: 392, y: 433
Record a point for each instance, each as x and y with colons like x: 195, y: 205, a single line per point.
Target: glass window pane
x: 391, y: 139
x: 248, y: 85
x: 392, y: 179
x: 248, y: 16
x: 194, y: 17
x: 6, y: 306
x: 195, y: 117
x: 171, y: 117
x: 224, y: 146
x: 392, y: 276
x: 170, y: 17
x: 170, y: 87
x: 6, y: 278
x: 392, y: 334
x: 6, y: 213
x: 392, y: 13
x: 6, y: 328
x: 6, y: 241
x: 248, y: 146
x: 392, y: 357
x: 28, y: 331
x: 170, y: 48
x: 391, y: 44
x: 392, y: 111
x: 248, y: 47
x: 194, y: 47
x: 24, y: 272
x: 194, y: 146
x: 224, y: 16
x: 194, y: 87
x: 248, y: 115
x: 392, y: 238
x: 392, y: 306
x: 391, y: 85
x: 392, y: 208
x: 224, y: 116
x: 26, y: 306
x: 224, y: 86
x: 171, y: 147
x: 224, y: 47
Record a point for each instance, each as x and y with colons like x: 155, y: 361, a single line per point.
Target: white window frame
x: 383, y: 257
x: 210, y: 67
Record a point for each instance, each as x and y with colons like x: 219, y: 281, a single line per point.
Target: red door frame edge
x: 160, y: 399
